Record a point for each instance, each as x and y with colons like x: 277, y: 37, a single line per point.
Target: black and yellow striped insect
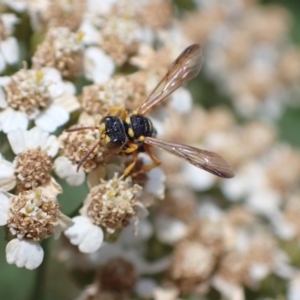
x: 132, y: 133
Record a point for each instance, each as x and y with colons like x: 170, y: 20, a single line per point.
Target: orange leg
x: 156, y: 162
x: 87, y: 155
x: 130, y: 167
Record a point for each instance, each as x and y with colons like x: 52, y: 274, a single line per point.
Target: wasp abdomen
x: 141, y: 126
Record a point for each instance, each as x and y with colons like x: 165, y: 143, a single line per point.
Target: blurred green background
x: 52, y: 280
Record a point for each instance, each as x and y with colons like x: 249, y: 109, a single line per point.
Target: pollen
x: 75, y: 146
x: 33, y: 215
x: 62, y: 50
x: 156, y: 14
x: 65, y: 14
x: 33, y: 169
x: 112, y: 203
x: 28, y: 92
x: 119, y: 34
x: 123, y: 91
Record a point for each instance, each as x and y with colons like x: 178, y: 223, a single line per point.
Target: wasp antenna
x: 87, y: 155
x: 81, y: 128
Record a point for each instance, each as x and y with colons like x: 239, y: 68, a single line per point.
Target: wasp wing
x: 203, y: 159
x: 183, y: 69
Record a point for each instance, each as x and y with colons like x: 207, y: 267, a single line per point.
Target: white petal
x: 145, y: 288
x: 7, y: 177
x: 196, y: 178
x: 3, y: 103
x: 294, y: 288
x: 264, y: 201
x: 24, y: 253
x: 11, y: 120
x: 5, y: 80
x: 230, y: 290
x: 10, y: 50
x: 4, y: 209
x: 258, y: 271
x: 51, y: 146
x: 84, y: 234
x: 64, y: 222
x: 91, y: 34
x: 156, y: 182
x: 68, y: 100
x: 53, y: 117
x: 2, y: 63
x: 51, y: 75
x: 66, y: 170
x: 98, y: 66
x: 181, y: 101
x: 170, y: 230
x: 102, y: 7
x: 16, y: 5
x: 166, y: 293
x: 17, y: 140
x: 35, y: 138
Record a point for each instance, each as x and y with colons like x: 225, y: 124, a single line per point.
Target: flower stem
x: 38, y: 289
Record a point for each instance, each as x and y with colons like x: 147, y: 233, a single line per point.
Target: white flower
x: 32, y: 165
x: 98, y: 66
x: 66, y: 170
x: 84, y: 234
x: 7, y: 176
x: 24, y: 253
x: 31, y: 217
x: 38, y: 95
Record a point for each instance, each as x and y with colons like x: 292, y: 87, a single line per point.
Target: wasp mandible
x: 132, y: 133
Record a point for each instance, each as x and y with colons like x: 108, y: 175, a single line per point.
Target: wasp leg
x: 130, y: 167
x: 156, y: 162
x: 87, y: 155
x: 81, y: 128
x: 117, y: 111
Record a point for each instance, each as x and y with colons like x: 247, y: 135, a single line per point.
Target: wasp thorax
x: 28, y: 91
x: 33, y: 169
x: 33, y: 215
x: 112, y: 203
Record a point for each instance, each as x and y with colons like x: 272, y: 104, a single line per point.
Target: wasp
x: 132, y: 133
